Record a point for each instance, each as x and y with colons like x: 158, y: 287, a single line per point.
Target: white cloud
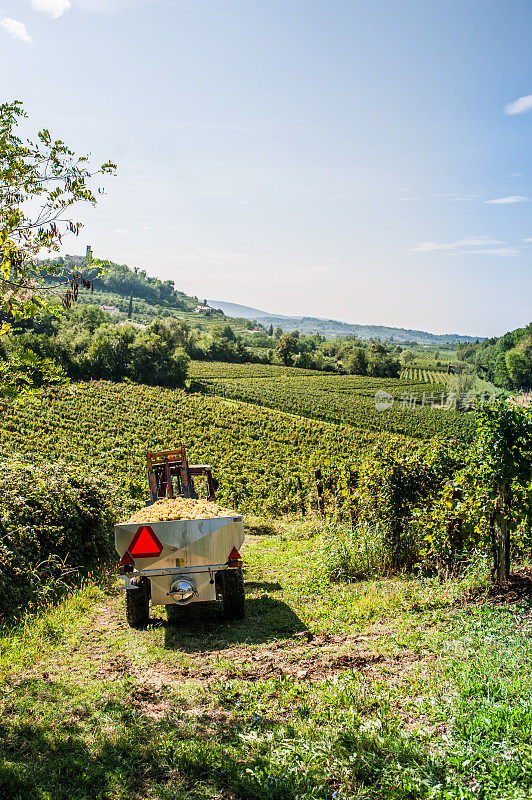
x: 16, y: 29
x: 528, y: 239
x: 503, y: 201
x: 122, y: 230
x: 470, y: 246
x: 457, y: 196
x: 54, y: 8
x: 460, y: 244
x: 520, y: 105
x: 259, y: 136
x: 493, y: 251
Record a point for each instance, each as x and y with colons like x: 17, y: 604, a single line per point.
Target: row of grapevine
x: 420, y: 375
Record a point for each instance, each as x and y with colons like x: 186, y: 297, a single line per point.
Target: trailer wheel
x: 138, y: 604
x: 232, y: 585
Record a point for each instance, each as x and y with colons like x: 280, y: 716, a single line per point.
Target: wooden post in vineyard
x: 502, y: 538
x: 301, y: 498
x: 353, y: 485
x: 319, y: 492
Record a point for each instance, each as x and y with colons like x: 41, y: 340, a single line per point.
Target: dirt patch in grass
x: 518, y: 588
x: 303, y: 657
x: 150, y: 701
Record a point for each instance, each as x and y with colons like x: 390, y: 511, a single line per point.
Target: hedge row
x: 55, y: 519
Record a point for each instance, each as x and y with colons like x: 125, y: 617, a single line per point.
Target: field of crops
x: 264, y: 428
x: 207, y: 370
x: 432, y: 376
x: 350, y: 400
x: 257, y: 453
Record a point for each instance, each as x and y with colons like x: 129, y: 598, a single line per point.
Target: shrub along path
x: 393, y: 688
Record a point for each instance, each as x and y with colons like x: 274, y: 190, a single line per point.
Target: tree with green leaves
x: 287, y: 348
x: 40, y: 183
x: 357, y: 362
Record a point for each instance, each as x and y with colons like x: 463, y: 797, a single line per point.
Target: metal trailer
x: 180, y: 562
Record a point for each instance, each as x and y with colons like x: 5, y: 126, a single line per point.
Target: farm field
x: 347, y: 400
x: 447, y: 382
x: 397, y: 688
x: 256, y: 453
x: 208, y: 370
x: 263, y: 428
x: 427, y: 376
x: 326, y: 691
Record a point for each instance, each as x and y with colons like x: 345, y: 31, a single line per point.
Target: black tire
x: 138, y: 604
x: 232, y: 586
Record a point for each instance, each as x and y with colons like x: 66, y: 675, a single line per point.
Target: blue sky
x: 352, y: 160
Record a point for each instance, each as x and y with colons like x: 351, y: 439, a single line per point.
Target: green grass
x: 395, y: 688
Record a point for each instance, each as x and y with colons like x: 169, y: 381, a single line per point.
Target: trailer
x: 179, y: 562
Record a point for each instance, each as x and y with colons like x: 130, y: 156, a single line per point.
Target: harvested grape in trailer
x: 182, y: 548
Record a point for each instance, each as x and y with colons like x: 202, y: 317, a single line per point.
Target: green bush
x: 54, y: 519
x: 384, y: 506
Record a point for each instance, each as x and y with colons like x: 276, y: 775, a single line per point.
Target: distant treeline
x: 506, y: 360
x: 90, y: 344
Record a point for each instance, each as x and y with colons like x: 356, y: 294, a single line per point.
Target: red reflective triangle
x: 126, y: 559
x: 234, y: 555
x: 145, y: 544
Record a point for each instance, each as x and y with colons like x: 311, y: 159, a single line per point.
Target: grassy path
x: 370, y: 691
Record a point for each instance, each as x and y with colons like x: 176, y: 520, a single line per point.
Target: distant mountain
x: 236, y: 310
x: 332, y: 327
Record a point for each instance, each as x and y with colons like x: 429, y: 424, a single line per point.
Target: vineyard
x: 349, y: 400
x: 263, y: 428
x: 445, y: 382
x: 209, y: 370
x: 428, y: 376
x: 259, y: 455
